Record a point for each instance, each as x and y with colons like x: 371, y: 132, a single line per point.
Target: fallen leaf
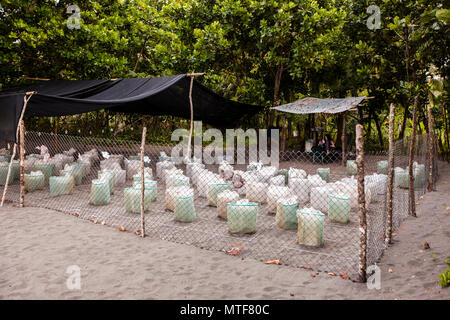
x: 448, y: 208
x: 426, y: 245
x: 122, y: 228
x: 234, y: 251
x: 394, y: 234
x: 313, y: 275
x: 306, y: 267
x: 331, y: 274
x: 95, y: 221
x: 275, y: 261
x: 344, y: 276
x: 390, y: 270
x: 292, y: 294
x: 75, y: 214
x: 421, y: 198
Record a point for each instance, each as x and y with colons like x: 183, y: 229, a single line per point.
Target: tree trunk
x: 144, y: 132
x: 389, y: 196
x: 361, y: 203
x: 380, y: 134
x: 411, y: 158
x: 430, y: 149
x: 369, y: 123
x: 283, y: 134
x: 403, y: 127
x: 22, y: 166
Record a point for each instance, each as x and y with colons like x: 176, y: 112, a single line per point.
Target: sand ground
x: 38, y: 245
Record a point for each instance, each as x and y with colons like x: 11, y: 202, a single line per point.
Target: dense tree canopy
x: 256, y: 51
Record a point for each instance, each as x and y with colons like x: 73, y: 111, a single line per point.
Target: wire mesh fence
x: 303, y: 212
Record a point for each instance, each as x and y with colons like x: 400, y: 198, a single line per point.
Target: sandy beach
x: 38, y: 245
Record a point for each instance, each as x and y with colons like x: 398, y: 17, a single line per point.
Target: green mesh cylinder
x: 214, y: 189
x: 15, y: 169
x: 286, y: 216
x: 48, y: 169
x: 61, y: 185
x: 339, y: 208
x: 5, y: 158
x: 137, y: 178
x: 4, y: 174
x: 100, y: 194
x: 419, y: 176
x: 382, y: 167
x: 310, y: 227
x: 351, y: 167
x: 401, y: 178
x: 133, y: 197
x: 324, y: 173
x: 242, y: 217
x: 109, y: 176
x: 184, y: 210
x: 153, y: 185
x: 34, y: 181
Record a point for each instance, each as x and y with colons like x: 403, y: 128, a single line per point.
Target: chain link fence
x: 304, y: 212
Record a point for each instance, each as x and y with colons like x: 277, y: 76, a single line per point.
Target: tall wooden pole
x: 412, y: 150
x: 192, y: 118
x: 430, y: 148
x: 390, y: 182
x: 191, y: 130
x: 22, y: 166
x: 343, y: 138
x: 361, y: 203
x: 144, y: 133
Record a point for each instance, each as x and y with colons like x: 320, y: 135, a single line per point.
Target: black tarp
x: 146, y: 96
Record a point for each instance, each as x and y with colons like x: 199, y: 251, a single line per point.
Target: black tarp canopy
x: 146, y: 96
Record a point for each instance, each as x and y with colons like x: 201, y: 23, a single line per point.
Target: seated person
x: 327, y: 144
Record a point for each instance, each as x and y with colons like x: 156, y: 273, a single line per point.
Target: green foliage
x: 444, y: 278
x: 247, y: 48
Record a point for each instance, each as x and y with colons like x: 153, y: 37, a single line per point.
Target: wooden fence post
x: 22, y: 167
x: 390, y: 183
x: 430, y: 148
x: 144, y: 133
x: 361, y: 203
x: 412, y: 150
x: 343, y: 138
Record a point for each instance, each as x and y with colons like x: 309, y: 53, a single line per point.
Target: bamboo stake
x: 390, y: 183
x: 144, y: 133
x: 56, y: 134
x: 412, y: 149
x: 430, y: 150
x: 362, y: 203
x: 25, y: 102
x: 192, y: 117
x: 343, y: 138
x: 22, y: 167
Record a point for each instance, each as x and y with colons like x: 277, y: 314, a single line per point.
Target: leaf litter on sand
x: 235, y: 249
